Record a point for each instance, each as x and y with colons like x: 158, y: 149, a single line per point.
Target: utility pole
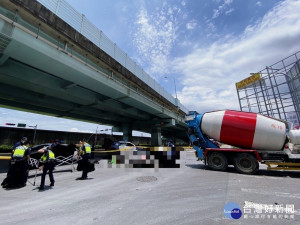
x: 34, y: 133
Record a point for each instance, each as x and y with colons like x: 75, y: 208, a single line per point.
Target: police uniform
x: 86, y: 155
x: 48, y: 160
x: 17, y: 144
x: 18, y: 166
x: 170, y: 144
x: 21, y: 142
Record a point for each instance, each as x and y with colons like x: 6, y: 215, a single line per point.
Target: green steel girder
x: 22, y: 76
x: 38, y: 77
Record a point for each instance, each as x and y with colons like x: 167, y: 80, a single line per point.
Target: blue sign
x: 232, y: 211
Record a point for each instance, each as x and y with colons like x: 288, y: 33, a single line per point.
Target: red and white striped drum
x: 244, y: 130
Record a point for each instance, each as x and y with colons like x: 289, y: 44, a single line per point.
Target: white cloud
x: 124, y: 8
x: 191, y: 25
x: 211, y: 26
x: 155, y: 36
x: 210, y: 73
x: 259, y: 4
x: 228, y: 12
x: 222, y: 8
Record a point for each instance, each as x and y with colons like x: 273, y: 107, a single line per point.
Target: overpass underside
x: 43, y: 71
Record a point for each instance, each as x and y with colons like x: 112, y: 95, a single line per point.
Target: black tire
x: 246, y: 163
x: 217, y: 161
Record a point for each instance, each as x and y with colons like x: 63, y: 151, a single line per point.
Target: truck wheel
x: 246, y: 163
x: 217, y: 161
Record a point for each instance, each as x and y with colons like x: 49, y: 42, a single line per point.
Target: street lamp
x: 174, y: 85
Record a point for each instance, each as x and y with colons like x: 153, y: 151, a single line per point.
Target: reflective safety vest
x: 50, y: 156
x: 86, y: 149
x: 20, y: 151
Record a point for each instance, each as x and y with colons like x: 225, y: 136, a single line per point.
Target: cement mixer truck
x: 249, y: 139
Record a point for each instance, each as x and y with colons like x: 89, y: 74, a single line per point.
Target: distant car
x: 61, y: 151
x: 35, y: 148
x: 64, y: 150
x: 122, y: 144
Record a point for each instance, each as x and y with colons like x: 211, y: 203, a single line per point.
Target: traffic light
x: 21, y: 125
x: 10, y: 124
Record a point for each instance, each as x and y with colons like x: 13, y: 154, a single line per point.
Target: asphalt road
x: 191, y: 194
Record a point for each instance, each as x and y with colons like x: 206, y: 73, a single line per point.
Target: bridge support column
x: 3, y: 59
x: 156, y: 137
x: 127, y: 132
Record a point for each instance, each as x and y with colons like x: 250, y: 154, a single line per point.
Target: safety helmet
x: 23, y: 139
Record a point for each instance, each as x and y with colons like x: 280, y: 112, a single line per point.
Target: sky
x: 206, y: 46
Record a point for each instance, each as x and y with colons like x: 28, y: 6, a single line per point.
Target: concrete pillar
x: 127, y: 132
x: 156, y: 137
x: 3, y: 59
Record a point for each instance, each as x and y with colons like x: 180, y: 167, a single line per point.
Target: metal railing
x: 40, y: 35
x: 277, y: 93
x: 79, y: 22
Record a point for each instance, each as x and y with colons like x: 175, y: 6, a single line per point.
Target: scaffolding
x: 274, y: 91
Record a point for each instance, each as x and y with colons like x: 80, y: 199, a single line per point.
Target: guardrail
x: 79, y: 22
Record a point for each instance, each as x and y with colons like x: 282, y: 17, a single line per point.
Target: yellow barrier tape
x: 5, y: 157
x: 118, y: 150
x: 283, y: 166
x: 283, y: 163
x: 179, y: 148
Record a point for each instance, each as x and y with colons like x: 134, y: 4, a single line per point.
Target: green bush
x: 5, y: 148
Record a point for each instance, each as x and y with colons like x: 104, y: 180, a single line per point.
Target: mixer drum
x: 244, y: 130
x: 295, y: 136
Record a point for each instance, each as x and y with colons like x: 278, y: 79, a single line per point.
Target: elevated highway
x: 48, y: 67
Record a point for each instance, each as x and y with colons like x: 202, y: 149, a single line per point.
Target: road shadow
x: 261, y: 172
x: 79, y: 178
x: 32, y: 175
x: 197, y: 166
x: 12, y: 188
x: 265, y: 172
x: 46, y: 188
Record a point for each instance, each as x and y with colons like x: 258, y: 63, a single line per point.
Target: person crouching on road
x: 18, y: 165
x: 85, y: 152
x: 48, y: 161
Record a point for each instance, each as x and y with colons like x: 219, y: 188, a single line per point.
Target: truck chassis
x: 245, y: 161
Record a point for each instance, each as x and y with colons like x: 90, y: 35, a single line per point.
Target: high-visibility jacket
x: 86, y: 149
x: 48, y: 156
x: 20, y: 151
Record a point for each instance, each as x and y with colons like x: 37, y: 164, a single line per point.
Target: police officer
x: 18, y: 165
x: 85, y: 152
x: 48, y: 161
x: 21, y: 142
x: 56, y: 142
x: 170, y: 144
